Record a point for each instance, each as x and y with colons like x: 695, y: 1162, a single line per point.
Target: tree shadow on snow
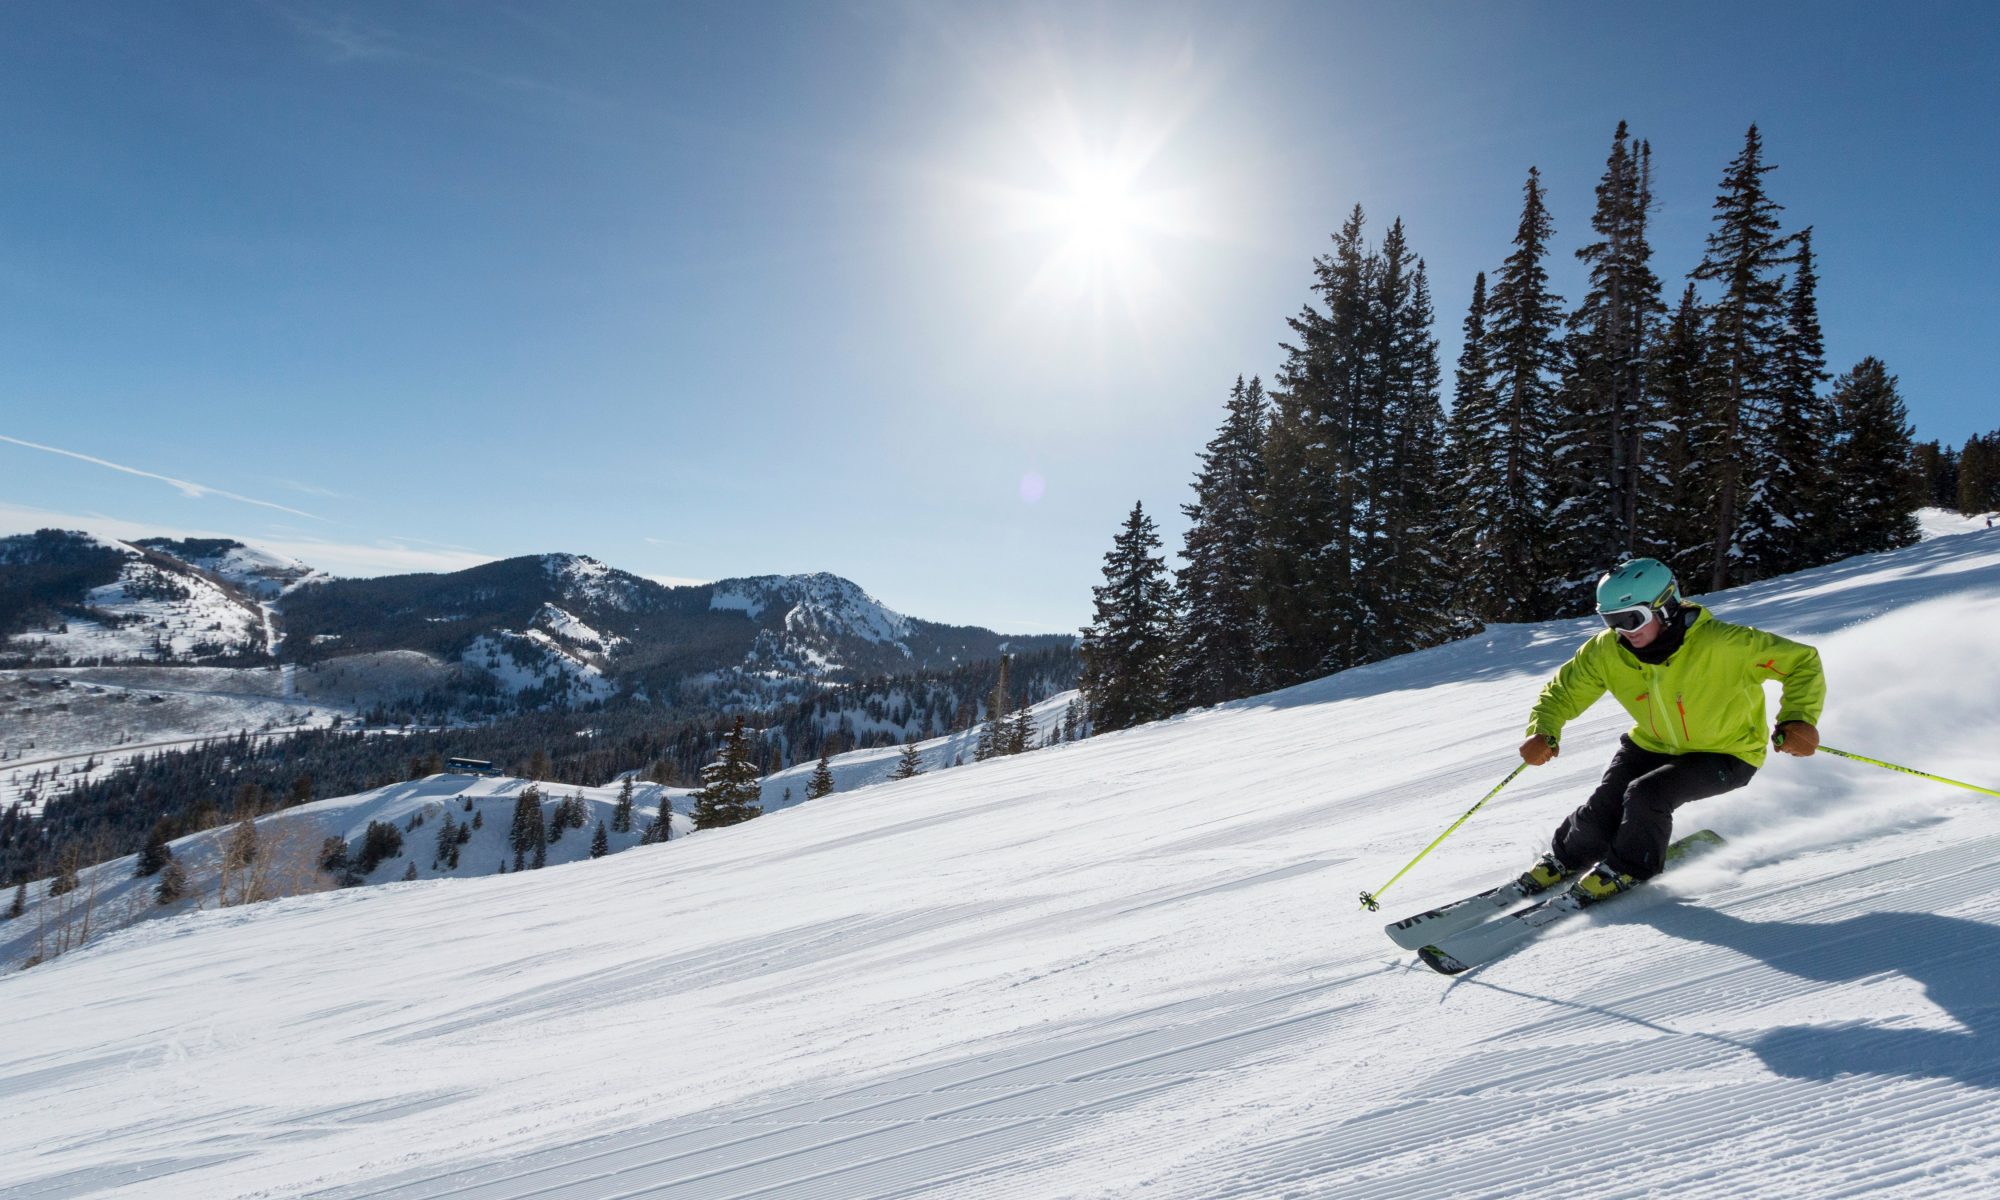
x: 1950, y: 957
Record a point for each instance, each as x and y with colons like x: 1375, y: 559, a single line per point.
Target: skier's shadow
x: 1951, y: 958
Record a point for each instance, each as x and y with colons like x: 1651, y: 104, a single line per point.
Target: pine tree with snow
x: 1803, y: 525
x: 447, y: 841
x: 600, y: 842
x: 1287, y: 537
x: 1128, y: 646
x: 1405, y: 598
x: 1675, y: 517
x: 410, y: 872
x: 661, y: 827
x: 820, y: 783
x: 526, y: 832
x: 1021, y: 729
x: 1979, y: 474
x: 1072, y: 723
x: 19, y: 904
x: 730, y: 790
x: 1602, y: 467
x: 1508, y: 482
x: 1746, y: 256
x: 1216, y: 658
x: 1871, y: 478
x: 621, y: 815
x: 1471, y: 433
x: 993, y: 737
x: 911, y: 764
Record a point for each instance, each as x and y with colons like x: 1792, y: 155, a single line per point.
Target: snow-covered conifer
x: 730, y: 792
x: 1128, y: 646
x: 820, y: 782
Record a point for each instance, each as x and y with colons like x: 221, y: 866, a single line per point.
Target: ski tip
x: 1444, y: 964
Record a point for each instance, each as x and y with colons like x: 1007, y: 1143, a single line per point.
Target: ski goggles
x: 1629, y: 620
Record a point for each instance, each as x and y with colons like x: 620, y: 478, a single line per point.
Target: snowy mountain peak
x: 262, y: 573
x: 819, y: 603
x: 589, y: 583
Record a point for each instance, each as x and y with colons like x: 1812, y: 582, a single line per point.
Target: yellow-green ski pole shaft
x: 1889, y: 766
x: 1368, y: 898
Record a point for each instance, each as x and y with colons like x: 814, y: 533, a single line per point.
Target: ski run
x: 1132, y: 966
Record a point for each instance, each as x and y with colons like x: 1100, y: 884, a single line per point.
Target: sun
x: 1100, y: 213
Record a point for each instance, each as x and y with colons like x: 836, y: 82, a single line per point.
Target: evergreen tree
x: 1937, y: 474
x: 1216, y: 658
x: 1804, y: 521
x: 525, y: 833
x: 1511, y: 484
x: 1471, y: 440
x: 1675, y: 518
x: 410, y: 872
x: 820, y: 783
x: 993, y: 734
x: 1979, y: 474
x: 1871, y: 472
x: 19, y: 904
x: 173, y: 883
x: 1287, y: 536
x: 661, y: 828
x: 447, y: 841
x: 911, y: 764
x: 1405, y: 600
x: 600, y: 843
x: 621, y: 815
x: 1344, y: 431
x: 1128, y: 646
x: 1072, y: 723
x: 1746, y: 256
x: 730, y: 792
x: 1021, y: 729
x: 1602, y: 468
x: 156, y: 853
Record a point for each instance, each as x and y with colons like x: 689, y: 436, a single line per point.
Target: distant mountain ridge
x: 539, y: 630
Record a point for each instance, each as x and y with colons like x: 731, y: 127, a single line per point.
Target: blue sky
x: 924, y: 295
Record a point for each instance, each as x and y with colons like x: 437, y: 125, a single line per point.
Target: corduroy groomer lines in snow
x: 1107, y: 970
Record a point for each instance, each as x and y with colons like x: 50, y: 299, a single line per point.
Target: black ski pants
x: 1629, y: 819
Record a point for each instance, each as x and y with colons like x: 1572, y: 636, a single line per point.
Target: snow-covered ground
x: 1130, y: 966
x: 160, y: 614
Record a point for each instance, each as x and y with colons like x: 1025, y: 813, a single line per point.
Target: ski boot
x: 1602, y: 883
x: 1547, y: 872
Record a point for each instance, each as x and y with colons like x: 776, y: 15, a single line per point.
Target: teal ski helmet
x: 1635, y: 584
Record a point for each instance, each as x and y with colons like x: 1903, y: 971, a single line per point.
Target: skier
x: 1694, y: 685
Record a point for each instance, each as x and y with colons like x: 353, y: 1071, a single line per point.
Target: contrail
x: 195, y: 490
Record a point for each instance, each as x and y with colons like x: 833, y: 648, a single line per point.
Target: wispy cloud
x: 677, y: 581
x: 311, y: 489
x: 185, y: 487
x: 342, y: 38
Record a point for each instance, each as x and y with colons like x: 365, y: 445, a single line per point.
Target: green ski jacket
x: 1708, y: 696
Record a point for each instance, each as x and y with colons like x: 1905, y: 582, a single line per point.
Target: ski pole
x: 1889, y: 766
x: 1368, y: 898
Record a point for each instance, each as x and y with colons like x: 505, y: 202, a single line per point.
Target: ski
x: 1483, y: 943
x: 1414, y: 933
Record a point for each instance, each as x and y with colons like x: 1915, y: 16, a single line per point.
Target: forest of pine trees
x: 1343, y: 516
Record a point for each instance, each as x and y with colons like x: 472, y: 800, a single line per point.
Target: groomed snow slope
x: 1132, y: 966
